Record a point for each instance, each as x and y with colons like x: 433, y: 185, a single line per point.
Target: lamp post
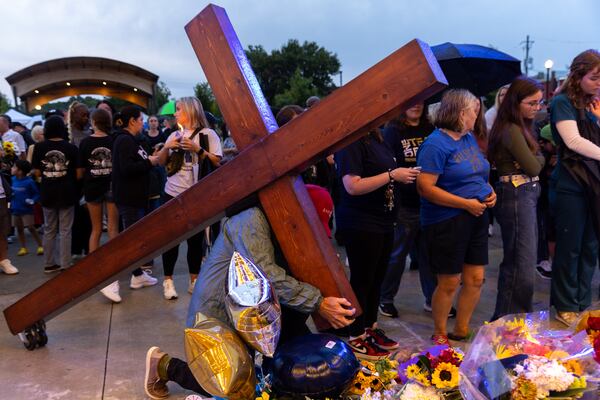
x: 548, y: 65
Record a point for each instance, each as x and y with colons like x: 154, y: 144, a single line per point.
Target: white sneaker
x: 169, y: 289
x: 7, y: 267
x: 191, y: 286
x: 138, y: 282
x: 111, y: 292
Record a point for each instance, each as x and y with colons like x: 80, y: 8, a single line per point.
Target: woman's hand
x: 475, y: 207
x: 405, y: 175
x: 189, y: 145
x: 172, y: 143
x: 595, y: 107
x: 490, y: 201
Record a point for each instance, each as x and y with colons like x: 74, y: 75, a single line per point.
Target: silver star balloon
x: 252, y: 305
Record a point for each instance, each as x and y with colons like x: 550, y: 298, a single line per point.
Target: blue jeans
x: 576, y: 247
x: 406, y: 235
x: 516, y: 211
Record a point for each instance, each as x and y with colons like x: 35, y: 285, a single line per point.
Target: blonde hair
x: 453, y: 102
x: 192, y: 107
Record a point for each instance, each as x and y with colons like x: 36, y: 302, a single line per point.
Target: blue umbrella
x: 476, y: 68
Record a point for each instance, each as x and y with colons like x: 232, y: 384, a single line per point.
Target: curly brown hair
x: 581, y: 66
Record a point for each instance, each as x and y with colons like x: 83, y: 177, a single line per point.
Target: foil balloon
x: 219, y: 360
x: 315, y: 365
x: 252, y: 305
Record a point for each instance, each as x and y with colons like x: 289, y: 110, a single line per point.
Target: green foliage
x: 206, y: 96
x: 276, y: 72
x: 4, y: 103
x: 162, y: 95
x: 300, y: 89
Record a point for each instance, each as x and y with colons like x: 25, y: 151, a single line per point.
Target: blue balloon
x: 315, y: 365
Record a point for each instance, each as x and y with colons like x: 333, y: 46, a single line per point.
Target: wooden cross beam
x: 409, y: 75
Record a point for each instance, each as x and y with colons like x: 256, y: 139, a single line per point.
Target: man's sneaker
x: 388, y: 310
x: 40, y: 251
x: 138, y: 282
x: 544, y: 269
x: 567, y: 317
x: 381, y: 339
x: 111, y: 292
x: 366, y: 349
x: 52, y: 268
x: 451, y: 314
x: 154, y: 387
x: 169, y: 289
x: 191, y: 286
x: 22, y: 251
x: 7, y: 267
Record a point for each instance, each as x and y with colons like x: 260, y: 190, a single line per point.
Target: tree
x: 300, y: 89
x: 275, y: 71
x: 162, y: 95
x: 4, y: 103
x: 206, y: 96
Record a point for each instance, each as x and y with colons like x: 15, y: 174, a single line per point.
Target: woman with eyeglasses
x: 516, y: 154
x: 574, y: 116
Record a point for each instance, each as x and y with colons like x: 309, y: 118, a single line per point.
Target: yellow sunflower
x: 412, y: 371
x: 422, y: 378
x: 445, y: 376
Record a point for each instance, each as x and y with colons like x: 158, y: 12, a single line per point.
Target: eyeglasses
x: 534, y: 103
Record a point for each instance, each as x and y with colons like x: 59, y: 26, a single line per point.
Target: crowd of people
x: 427, y: 185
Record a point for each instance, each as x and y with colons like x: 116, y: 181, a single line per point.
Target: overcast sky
x: 150, y: 33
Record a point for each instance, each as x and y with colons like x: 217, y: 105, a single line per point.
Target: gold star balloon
x: 252, y: 305
x: 219, y: 360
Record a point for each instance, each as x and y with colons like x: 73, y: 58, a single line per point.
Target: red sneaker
x: 367, y: 349
x: 381, y: 340
x: 440, y: 339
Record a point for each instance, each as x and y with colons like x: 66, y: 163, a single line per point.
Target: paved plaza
x: 96, y: 350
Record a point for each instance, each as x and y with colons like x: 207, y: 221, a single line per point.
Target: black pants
x: 194, y: 252
x: 130, y: 215
x: 293, y: 324
x: 368, y: 257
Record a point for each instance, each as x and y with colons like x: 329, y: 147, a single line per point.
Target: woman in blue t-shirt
x: 574, y: 116
x: 455, y: 195
x: 365, y: 218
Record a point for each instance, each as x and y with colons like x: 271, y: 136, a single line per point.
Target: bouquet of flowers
x: 518, y: 357
x: 437, y: 368
x: 589, y: 321
x: 374, y: 377
x: 9, y: 155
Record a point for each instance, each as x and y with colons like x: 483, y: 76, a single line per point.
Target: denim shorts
x: 459, y: 240
x: 104, y: 197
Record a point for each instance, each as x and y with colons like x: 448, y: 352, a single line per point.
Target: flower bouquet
x: 433, y: 371
x: 518, y: 357
x: 9, y: 155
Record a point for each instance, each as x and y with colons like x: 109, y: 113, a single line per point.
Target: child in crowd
x: 24, y: 195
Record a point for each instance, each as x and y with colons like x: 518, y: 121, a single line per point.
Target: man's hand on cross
x: 337, y: 311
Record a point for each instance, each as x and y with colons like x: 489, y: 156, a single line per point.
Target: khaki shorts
x: 25, y: 219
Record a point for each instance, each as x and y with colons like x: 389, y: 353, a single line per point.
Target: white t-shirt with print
x: 184, y: 179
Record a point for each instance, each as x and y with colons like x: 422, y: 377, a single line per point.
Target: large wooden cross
x: 268, y: 162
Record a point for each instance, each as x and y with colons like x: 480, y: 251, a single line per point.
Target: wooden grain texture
x: 291, y: 214
x: 409, y: 75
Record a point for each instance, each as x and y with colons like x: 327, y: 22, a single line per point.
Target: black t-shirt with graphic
x: 57, y: 161
x: 405, y: 141
x: 95, y: 155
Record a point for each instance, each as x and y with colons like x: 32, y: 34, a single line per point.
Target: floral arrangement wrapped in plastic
x: 519, y: 357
